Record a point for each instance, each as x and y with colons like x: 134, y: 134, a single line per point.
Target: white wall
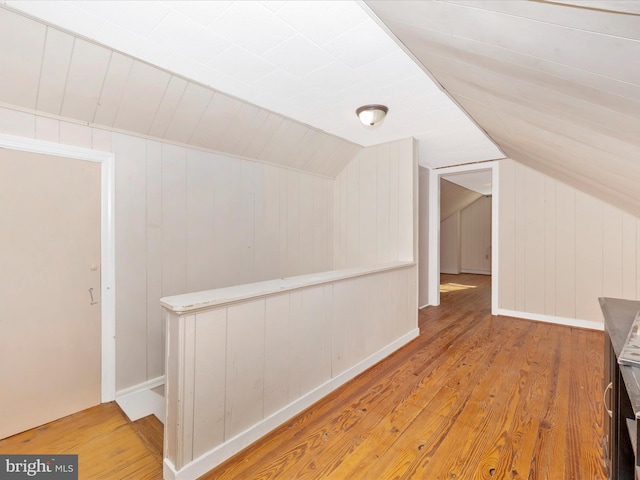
x: 561, y: 249
x: 238, y: 370
x: 423, y: 236
x: 190, y: 220
x: 475, y: 237
x: 450, y: 244
x: 374, y: 206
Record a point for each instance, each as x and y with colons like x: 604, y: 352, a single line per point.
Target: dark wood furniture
x: 622, y: 392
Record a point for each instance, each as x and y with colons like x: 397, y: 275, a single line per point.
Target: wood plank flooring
x: 474, y: 397
x: 108, y: 445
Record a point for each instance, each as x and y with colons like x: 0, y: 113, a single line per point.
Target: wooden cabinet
x: 621, y: 393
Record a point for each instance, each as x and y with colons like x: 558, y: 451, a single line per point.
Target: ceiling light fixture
x: 371, y: 115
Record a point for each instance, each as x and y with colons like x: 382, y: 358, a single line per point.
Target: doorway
x: 434, y: 253
x: 57, y: 261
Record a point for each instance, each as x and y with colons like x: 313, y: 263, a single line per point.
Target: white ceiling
x: 55, y: 73
x: 311, y: 61
x: 478, y: 181
x: 454, y: 198
x: 556, y: 84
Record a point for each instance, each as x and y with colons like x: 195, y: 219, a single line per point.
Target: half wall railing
x: 242, y: 360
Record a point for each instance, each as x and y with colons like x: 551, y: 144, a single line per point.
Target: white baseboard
x: 140, y: 400
x: 477, y: 272
x: 423, y: 306
x: 215, y: 457
x: 571, y: 322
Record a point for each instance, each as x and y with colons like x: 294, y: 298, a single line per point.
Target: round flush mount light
x: 371, y: 115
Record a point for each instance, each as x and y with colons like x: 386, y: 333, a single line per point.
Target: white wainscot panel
x: 243, y: 360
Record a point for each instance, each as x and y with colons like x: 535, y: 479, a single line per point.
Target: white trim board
x: 107, y: 242
x: 434, y: 228
x: 569, y: 322
x: 140, y: 400
x: 476, y: 272
x: 215, y: 457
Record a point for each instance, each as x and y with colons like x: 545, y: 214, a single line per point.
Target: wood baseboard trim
x: 216, y: 456
x: 570, y: 322
x: 140, y: 400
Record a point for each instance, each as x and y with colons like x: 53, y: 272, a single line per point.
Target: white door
x: 50, y: 345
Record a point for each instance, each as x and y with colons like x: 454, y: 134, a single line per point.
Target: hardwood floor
x: 474, y: 397
x: 108, y: 445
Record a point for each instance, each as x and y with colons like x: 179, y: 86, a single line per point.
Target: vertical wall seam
x: 175, y: 109
x: 204, y: 111
x: 226, y: 361
x: 66, y: 80
x: 146, y: 259
x: 193, y: 384
x: 124, y: 88
x: 575, y: 257
x: 104, y: 81
x: 155, y: 114
x: 186, y: 217
x: 44, y: 49
x: 264, y: 355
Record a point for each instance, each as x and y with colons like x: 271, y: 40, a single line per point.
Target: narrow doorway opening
x: 465, y: 236
x: 463, y: 230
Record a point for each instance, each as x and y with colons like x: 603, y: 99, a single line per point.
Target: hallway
x: 474, y: 397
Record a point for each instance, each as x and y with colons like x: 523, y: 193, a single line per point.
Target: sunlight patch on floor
x: 454, y: 287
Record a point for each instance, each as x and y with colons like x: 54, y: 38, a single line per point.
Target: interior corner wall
x: 189, y: 220
x: 373, y: 203
x: 423, y: 236
x: 450, y: 244
x: 561, y: 249
x: 475, y: 237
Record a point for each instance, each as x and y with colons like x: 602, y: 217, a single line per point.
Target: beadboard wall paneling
x: 154, y: 264
x: 209, y: 221
x: 572, y: 116
x: 423, y: 236
x: 131, y: 261
x: 630, y: 249
x: 240, y: 369
x: 85, y: 78
x: 190, y: 220
x: 561, y: 249
x: 60, y: 74
x: 27, y: 40
x: 475, y: 237
x: 454, y: 198
x: 563, y: 246
x: 374, y: 206
x: 54, y: 67
x: 450, y: 244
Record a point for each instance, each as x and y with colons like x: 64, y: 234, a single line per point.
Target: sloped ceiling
x: 313, y: 61
x: 477, y: 181
x: 454, y: 198
x: 46, y: 69
x: 555, y: 84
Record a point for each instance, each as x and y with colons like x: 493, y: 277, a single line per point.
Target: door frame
x: 107, y: 242
x: 433, y: 293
